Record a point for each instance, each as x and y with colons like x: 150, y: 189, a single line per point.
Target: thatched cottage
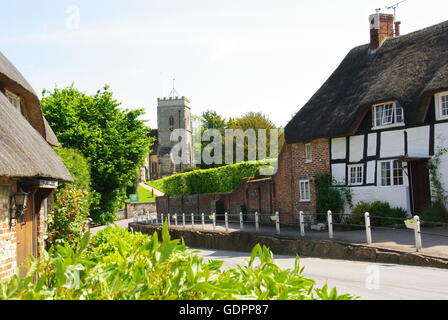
x: 29, y: 170
x: 377, y: 121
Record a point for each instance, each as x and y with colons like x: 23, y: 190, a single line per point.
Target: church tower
x: 174, y: 113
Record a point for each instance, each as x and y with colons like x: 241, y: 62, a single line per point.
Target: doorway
x: 419, y: 186
x: 26, y: 237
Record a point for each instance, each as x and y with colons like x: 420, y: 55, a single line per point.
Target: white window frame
x: 439, y: 110
x: 359, y: 168
x: 388, y: 124
x: 305, y: 194
x: 308, y: 153
x: 392, y: 174
x: 14, y: 100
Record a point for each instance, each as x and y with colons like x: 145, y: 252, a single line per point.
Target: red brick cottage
x: 28, y: 165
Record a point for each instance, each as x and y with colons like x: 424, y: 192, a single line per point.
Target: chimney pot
x: 397, y: 28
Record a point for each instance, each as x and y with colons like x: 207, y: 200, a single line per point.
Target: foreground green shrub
x: 222, y: 179
x: 379, y: 209
x: 119, y: 265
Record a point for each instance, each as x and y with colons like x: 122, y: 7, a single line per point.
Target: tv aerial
x: 394, y: 7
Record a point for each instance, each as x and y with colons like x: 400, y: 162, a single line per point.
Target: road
x: 370, y: 281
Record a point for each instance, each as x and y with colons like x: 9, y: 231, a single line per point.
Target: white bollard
x: 241, y: 221
x: 277, y: 222
x: 368, y: 228
x: 163, y: 220
x: 214, y: 221
x: 330, y: 224
x: 192, y: 220
x: 418, y: 235
x: 183, y: 220
x: 203, y: 221
x: 302, y: 224
x: 169, y: 220
x: 227, y: 221
x: 175, y: 219
x: 257, y: 222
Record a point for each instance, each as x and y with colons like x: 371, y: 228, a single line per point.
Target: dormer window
x: 14, y: 99
x: 388, y: 114
x: 442, y: 105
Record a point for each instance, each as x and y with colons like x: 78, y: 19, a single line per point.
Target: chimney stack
x: 381, y: 28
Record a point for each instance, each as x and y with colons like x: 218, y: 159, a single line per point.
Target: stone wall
x: 244, y: 242
x: 8, y: 240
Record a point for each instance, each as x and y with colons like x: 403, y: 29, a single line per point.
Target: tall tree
x: 210, y: 119
x: 256, y: 121
x: 113, y: 140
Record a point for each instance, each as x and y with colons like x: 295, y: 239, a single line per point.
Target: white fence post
x: 175, y: 219
x: 277, y: 222
x: 169, y: 220
x: 368, y: 228
x: 418, y: 235
x: 157, y: 219
x: 183, y: 220
x: 203, y: 221
x: 227, y: 221
x: 330, y: 224
x: 302, y: 224
x: 192, y: 220
x: 257, y: 222
x: 161, y: 217
x: 241, y: 221
x: 214, y: 221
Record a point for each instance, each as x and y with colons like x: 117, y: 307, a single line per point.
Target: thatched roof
x: 12, y: 80
x: 24, y: 153
x: 409, y: 69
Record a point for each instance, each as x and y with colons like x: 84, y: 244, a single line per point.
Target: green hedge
x: 223, y: 179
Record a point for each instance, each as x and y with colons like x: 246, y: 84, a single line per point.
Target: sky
x: 231, y: 56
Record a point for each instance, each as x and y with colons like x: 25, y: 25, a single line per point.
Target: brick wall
x: 279, y: 194
x: 292, y: 168
x: 7, y: 235
x: 301, y: 170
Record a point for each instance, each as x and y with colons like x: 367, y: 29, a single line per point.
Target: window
x: 392, y: 173
x: 308, y: 153
x: 171, y: 123
x: 442, y: 105
x: 305, y: 193
x: 387, y: 114
x: 14, y: 99
x: 356, y: 175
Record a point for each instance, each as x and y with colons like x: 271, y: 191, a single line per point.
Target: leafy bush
x: 69, y: 217
x: 377, y: 209
x: 223, y: 179
x: 70, y: 212
x: 119, y: 265
x: 329, y: 197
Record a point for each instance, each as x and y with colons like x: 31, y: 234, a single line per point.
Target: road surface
x: 370, y: 281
